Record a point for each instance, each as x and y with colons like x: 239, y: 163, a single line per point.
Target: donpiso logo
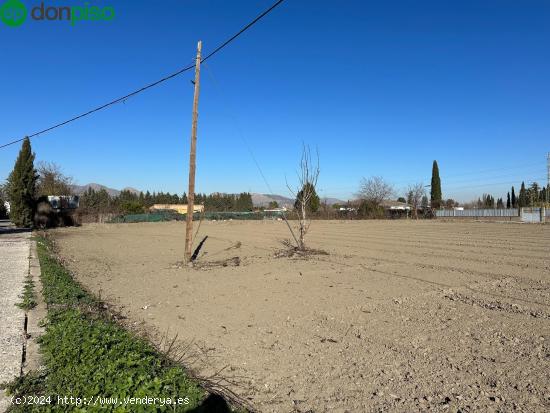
x: 14, y: 13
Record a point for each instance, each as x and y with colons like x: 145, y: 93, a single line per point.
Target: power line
x: 522, y: 169
x: 508, y: 175
x: 452, y: 188
x: 217, y: 49
x: 449, y: 183
x: 239, y: 129
x: 150, y: 85
x: 493, y: 183
x: 503, y: 168
x: 113, y: 102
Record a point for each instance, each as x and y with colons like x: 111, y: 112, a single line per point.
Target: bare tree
x: 415, y: 193
x: 308, y: 176
x: 374, y: 190
x: 52, y: 181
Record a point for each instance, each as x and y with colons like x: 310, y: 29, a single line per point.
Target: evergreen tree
x: 522, y: 200
x: 22, y: 187
x: 514, y: 200
x: 508, y: 202
x: 533, y: 194
x: 488, y: 201
x: 244, y: 202
x: 148, y: 200
x: 500, y: 203
x: 100, y: 202
x: 314, y: 202
x: 435, y: 191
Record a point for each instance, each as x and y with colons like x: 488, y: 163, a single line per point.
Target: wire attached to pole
x: 146, y: 87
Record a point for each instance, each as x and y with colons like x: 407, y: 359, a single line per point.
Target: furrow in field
x: 477, y: 249
x: 440, y: 240
x: 526, y: 264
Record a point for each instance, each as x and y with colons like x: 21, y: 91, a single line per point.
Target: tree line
x: 128, y: 202
x: 26, y: 184
x: 533, y: 196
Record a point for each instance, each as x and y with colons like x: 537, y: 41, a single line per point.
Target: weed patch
x: 28, y: 298
x: 90, y: 357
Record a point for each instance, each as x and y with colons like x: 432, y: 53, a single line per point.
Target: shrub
x: 131, y: 207
x: 370, y: 210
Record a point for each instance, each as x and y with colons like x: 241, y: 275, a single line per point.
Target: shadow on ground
x: 212, y: 404
x: 6, y: 227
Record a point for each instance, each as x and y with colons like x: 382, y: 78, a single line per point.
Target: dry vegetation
x: 400, y: 315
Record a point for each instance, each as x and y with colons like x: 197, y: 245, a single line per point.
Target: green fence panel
x: 211, y: 215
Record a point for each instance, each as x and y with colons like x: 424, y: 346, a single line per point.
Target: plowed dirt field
x: 398, y: 316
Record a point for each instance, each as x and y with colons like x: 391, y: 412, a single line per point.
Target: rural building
x: 179, y: 208
x: 276, y: 210
x: 396, y: 209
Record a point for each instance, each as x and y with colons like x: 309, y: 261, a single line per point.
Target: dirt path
x: 14, y: 267
x: 400, y: 316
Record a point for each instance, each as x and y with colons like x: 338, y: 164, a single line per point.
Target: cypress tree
x: 435, y: 191
x: 514, y: 200
x: 22, y: 187
x: 522, y: 202
x: 508, y: 202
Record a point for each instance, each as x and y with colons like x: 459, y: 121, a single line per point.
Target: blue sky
x: 380, y: 88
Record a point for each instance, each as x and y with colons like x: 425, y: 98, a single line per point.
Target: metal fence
x: 534, y: 214
x: 512, y: 212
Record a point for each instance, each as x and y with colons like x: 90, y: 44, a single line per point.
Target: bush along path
x: 93, y: 364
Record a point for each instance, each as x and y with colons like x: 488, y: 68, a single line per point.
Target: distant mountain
x: 263, y: 200
x: 132, y: 190
x: 332, y: 201
x: 80, y: 189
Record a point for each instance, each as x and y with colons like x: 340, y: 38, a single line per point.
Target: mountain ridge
x: 258, y: 200
x: 80, y: 189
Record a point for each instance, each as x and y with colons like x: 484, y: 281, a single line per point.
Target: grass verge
x: 28, y: 298
x: 101, y: 365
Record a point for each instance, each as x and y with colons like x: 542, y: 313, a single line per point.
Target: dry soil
x: 399, y: 316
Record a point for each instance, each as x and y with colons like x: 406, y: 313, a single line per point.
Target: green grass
x: 28, y: 298
x: 88, y: 355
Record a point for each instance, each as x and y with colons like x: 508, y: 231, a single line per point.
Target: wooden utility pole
x: 192, y: 157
